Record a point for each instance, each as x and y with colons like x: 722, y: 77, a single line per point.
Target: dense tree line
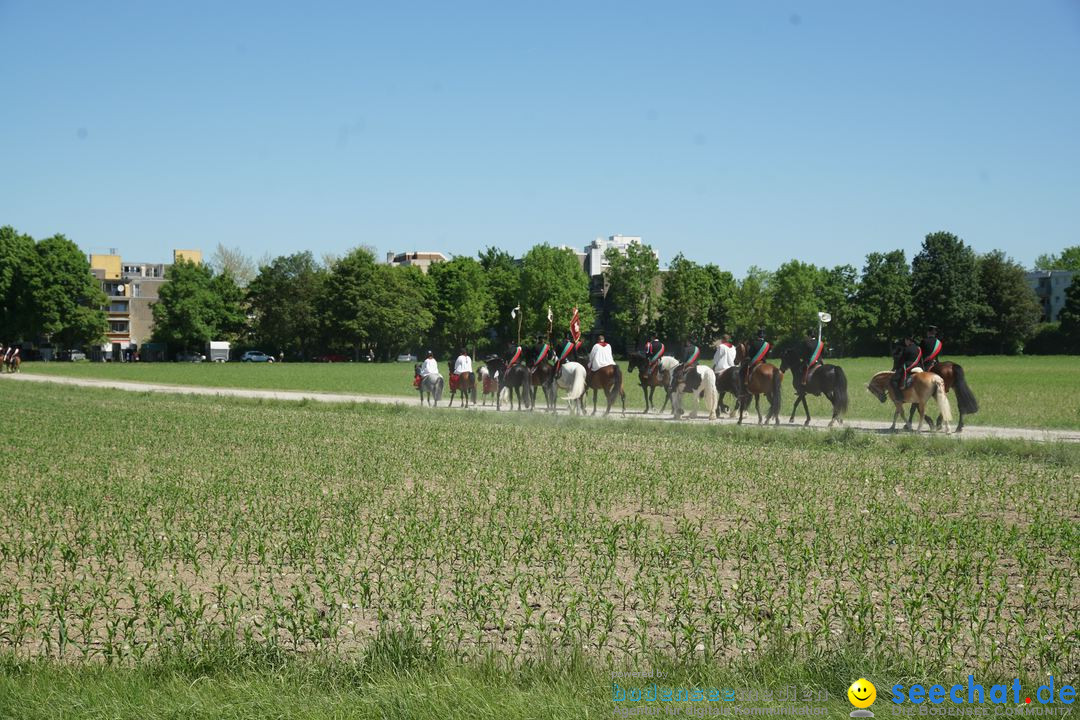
x: 354, y: 305
x: 47, y: 292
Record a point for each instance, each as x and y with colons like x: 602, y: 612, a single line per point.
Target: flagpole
x: 520, y: 313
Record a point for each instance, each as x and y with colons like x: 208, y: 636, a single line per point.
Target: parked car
x: 331, y: 358
x: 190, y: 357
x: 256, y: 356
x: 407, y: 357
x: 72, y: 355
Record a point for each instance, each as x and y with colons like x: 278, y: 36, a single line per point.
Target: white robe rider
x: 463, y: 364
x: 600, y: 356
x: 724, y: 358
x: 430, y: 367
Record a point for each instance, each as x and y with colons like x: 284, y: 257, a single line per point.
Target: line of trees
x: 47, y: 291
x: 353, y: 304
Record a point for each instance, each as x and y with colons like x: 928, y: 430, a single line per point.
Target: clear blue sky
x: 738, y: 133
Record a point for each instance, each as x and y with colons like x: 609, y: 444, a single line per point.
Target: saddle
x: 810, y: 372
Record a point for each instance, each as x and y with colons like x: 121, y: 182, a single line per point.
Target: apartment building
x: 132, y: 289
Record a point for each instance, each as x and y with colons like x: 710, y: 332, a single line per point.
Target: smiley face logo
x: 862, y: 693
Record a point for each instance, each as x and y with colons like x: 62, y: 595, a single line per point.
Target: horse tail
x: 438, y: 389
x: 942, y: 400
x: 965, y: 399
x: 840, y: 390
x: 711, y: 396
x: 577, y: 384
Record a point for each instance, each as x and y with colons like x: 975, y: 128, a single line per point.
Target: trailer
x: 217, y: 351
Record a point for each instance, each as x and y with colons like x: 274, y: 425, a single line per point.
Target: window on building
x: 118, y: 306
x: 118, y: 326
x: 136, y: 290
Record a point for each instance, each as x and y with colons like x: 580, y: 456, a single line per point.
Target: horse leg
x: 799, y: 397
x: 899, y: 410
x: 806, y: 409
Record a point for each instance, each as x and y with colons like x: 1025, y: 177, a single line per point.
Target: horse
x: 543, y: 376
x: 923, y: 385
x: 953, y: 375
x: 515, y: 379
x: 13, y: 362
x: 650, y: 379
x: 571, y: 378
x: 827, y: 380
x: 699, y: 380
x: 488, y: 385
x: 767, y: 380
x: 432, y: 384
x: 466, y: 385
x: 609, y: 379
x: 726, y: 382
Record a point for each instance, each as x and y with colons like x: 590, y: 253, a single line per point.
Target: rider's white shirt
x: 724, y: 358
x: 600, y: 357
x: 463, y: 364
x: 430, y: 367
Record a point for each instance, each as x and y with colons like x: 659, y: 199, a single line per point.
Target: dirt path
x: 971, y: 431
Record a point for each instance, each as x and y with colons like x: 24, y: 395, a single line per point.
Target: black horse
x: 517, y: 378
x: 649, y: 380
x: 542, y: 371
x: 827, y: 380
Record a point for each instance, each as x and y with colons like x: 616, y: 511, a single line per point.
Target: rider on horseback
x: 931, y: 349
x: 568, y: 349
x: 813, y: 349
x: 906, y: 357
x: 463, y: 364
x: 429, y: 366
x: 600, y: 355
x: 756, y: 351
x: 654, y: 350
x: 725, y: 355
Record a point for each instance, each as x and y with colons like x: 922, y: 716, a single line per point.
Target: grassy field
x: 167, y: 556
x: 1035, y: 392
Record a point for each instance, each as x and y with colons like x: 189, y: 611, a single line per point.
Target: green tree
x: 686, y: 301
x: 943, y: 287
x: 18, y: 261
x: 464, y: 304
x: 283, y: 298
x: 504, y: 281
x: 632, y: 292
x: 552, y: 277
x: 347, y: 303
x: 1011, y: 309
x: 232, y: 322
x: 836, y: 291
x: 195, y: 307
x: 794, y: 302
x: 1070, y: 317
x: 752, y: 304
x: 722, y: 289
x: 66, y: 298
x: 882, y: 309
x: 402, y: 299
x: 1067, y: 259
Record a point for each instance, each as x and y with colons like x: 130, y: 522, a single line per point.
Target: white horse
x: 432, y: 384
x: 571, y: 378
x: 483, y: 376
x: 701, y: 382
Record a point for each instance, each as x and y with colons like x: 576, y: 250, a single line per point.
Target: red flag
x: 575, y: 327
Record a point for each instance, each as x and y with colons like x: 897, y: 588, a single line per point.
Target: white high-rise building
x: 595, y: 264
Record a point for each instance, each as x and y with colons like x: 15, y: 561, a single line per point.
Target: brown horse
x: 924, y: 385
x: 466, y: 385
x: 953, y: 375
x: 767, y: 380
x: 13, y: 362
x: 608, y: 379
x: 652, y: 378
